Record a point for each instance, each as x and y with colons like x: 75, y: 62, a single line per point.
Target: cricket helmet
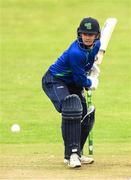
x: 89, y: 25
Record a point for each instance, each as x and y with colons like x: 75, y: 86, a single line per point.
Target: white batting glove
x: 95, y: 71
x: 94, y: 82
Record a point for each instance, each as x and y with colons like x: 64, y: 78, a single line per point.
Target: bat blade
x: 106, y: 33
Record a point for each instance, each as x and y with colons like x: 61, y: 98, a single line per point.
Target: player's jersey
x: 74, y: 64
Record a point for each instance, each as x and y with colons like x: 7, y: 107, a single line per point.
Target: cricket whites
x: 106, y: 33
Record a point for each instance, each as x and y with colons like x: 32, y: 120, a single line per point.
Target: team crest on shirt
x: 88, y: 26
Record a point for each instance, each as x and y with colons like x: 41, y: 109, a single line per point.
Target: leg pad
x: 71, y: 124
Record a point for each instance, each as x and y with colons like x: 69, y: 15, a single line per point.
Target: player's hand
x: 95, y: 71
x: 94, y: 82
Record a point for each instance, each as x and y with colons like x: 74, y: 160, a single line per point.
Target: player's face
x: 88, y: 39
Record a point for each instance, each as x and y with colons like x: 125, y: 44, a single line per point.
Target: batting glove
x: 94, y: 82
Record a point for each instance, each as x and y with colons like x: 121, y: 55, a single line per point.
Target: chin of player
x: 88, y: 43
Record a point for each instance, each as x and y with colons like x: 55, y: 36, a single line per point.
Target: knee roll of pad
x: 72, y: 107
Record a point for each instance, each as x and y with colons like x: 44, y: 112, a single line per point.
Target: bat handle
x: 90, y: 143
x: 90, y: 137
x: 89, y: 102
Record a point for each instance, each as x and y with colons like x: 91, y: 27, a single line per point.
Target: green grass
x: 34, y: 33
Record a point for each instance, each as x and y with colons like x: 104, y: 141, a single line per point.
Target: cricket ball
x: 15, y: 128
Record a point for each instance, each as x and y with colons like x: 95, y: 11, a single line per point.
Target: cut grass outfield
x: 34, y: 33
x: 41, y: 162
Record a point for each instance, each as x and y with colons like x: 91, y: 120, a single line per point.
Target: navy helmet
x: 89, y: 25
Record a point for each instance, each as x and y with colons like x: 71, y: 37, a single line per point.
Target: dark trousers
x: 57, y: 90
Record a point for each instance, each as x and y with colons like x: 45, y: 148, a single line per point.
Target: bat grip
x: 90, y: 137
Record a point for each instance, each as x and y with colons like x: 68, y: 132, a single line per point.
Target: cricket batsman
x: 64, y: 84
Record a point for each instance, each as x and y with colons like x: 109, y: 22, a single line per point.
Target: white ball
x: 15, y: 128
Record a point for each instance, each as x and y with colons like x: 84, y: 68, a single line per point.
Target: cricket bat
x: 106, y: 33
